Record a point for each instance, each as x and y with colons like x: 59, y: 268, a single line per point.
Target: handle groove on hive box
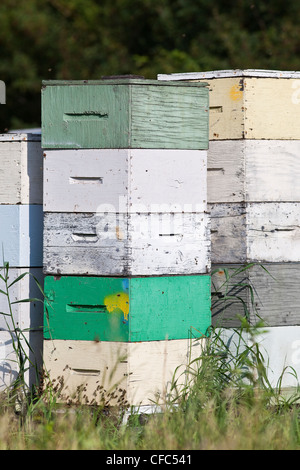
x: 86, y: 179
x: 89, y: 372
x: 87, y: 237
x: 83, y: 308
x: 85, y: 116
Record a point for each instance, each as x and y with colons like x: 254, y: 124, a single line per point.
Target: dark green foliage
x: 86, y: 39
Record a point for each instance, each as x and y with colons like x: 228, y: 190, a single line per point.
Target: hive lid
x: 260, y: 73
x: 121, y: 80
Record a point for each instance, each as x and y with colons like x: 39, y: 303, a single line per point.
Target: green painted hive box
x: 125, y: 113
x: 128, y: 310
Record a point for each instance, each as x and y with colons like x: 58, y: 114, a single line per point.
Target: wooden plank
x: 124, y: 114
x: 26, y: 315
x: 280, y: 348
x: 125, y: 368
x: 265, y: 100
x: 122, y: 309
x: 253, y: 171
x: 273, y: 231
x: 275, y: 289
x: 267, y: 232
x: 21, y: 175
x: 273, y: 171
x: 21, y: 234
x: 125, y: 180
x: 226, y: 108
x: 230, y: 73
x: 228, y: 232
x: 247, y: 105
x: 126, y: 244
x: 226, y: 171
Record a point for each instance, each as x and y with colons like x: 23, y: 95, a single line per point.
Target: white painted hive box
x: 26, y: 315
x: 32, y: 344
x: 253, y: 171
x: 125, y: 181
x: 21, y: 174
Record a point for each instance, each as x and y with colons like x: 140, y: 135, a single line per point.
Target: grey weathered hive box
x: 124, y: 113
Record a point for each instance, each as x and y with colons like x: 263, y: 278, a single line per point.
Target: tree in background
x: 86, y: 39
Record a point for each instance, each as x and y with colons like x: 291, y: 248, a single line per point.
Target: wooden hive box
x: 262, y: 232
x: 21, y: 176
x: 124, y: 113
x: 245, y: 104
x: 26, y: 315
x: 126, y: 374
x: 253, y: 171
x: 21, y: 234
x: 32, y: 346
x: 126, y: 310
x: 279, y: 348
x: 125, y: 180
x: 126, y: 244
x: 268, y: 291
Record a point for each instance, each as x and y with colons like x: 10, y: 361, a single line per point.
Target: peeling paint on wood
x: 126, y: 244
x: 124, y: 114
x: 143, y: 372
x: 267, y: 232
x: 122, y: 309
x: 125, y: 180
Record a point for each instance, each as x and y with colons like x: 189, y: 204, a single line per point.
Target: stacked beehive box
x: 254, y: 193
x: 126, y: 233
x: 21, y: 236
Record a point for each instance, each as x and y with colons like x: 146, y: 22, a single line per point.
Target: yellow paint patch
x: 236, y: 93
x: 119, y: 233
x: 119, y: 301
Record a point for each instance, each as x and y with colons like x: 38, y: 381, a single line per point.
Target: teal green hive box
x: 127, y: 310
x: 125, y: 113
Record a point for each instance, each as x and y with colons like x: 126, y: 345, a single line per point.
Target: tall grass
x: 227, y: 404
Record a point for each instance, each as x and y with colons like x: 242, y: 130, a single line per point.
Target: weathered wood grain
x: 250, y: 104
x: 124, y: 114
x: 226, y: 171
x: 21, y: 175
x: 142, y: 371
x: 228, y: 232
x: 125, y: 180
x: 274, y: 232
x: 275, y: 289
x: 122, y: 309
x: 253, y: 171
x: 126, y: 244
x: 245, y: 232
x: 21, y: 234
